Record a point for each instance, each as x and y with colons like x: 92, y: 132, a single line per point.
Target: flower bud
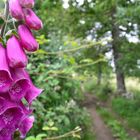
x: 27, y: 39
x: 27, y: 3
x: 32, y: 20
x: 15, y: 54
x: 16, y: 9
x: 5, y: 76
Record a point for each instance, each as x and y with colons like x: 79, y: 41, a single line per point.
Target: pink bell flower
x: 5, y: 76
x: 33, y: 92
x: 27, y: 39
x: 15, y: 53
x: 26, y: 125
x: 16, y: 9
x: 27, y: 3
x: 32, y: 20
x: 20, y: 85
x: 6, y: 133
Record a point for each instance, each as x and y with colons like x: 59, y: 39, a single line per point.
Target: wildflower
x: 20, y: 85
x: 33, y: 91
x: 32, y: 20
x: 16, y: 9
x: 26, y: 125
x: 27, y: 40
x: 5, y: 76
x: 15, y: 53
x: 27, y: 3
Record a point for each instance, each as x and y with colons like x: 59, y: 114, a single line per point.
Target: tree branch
x: 69, y: 134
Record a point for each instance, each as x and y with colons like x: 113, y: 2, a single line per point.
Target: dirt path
x: 101, y: 131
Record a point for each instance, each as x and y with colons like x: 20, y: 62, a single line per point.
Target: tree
x: 99, y: 19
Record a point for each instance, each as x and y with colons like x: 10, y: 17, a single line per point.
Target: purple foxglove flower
x: 20, y: 86
x: 32, y: 92
x: 27, y: 3
x: 8, y: 122
x: 15, y: 53
x: 12, y: 116
x: 26, y: 109
x: 27, y: 40
x: 5, y: 76
x: 16, y: 9
x: 5, y: 95
x: 2, y: 124
x: 26, y: 125
x: 32, y: 20
x: 6, y: 104
x: 6, y: 133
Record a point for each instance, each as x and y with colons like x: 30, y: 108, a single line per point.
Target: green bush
x: 102, y: 91
x: 58, y: 104
x: 129, y: 110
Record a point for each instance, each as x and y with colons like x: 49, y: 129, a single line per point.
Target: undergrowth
x: 129, y: 110
x: 116, y: 127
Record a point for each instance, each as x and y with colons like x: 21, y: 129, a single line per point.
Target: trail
x: 101, y: 131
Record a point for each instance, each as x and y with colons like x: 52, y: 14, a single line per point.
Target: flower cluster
x: 15, y: 83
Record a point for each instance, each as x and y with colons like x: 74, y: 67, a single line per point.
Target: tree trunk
x: 116, y: 44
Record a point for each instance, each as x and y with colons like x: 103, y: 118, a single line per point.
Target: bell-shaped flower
x: 33, y: 91
x: 2, y: 124
x: 12, y: 116
x: 6, y: 104
x: 26, y: 109
x: 27, y: 3
x: 32, y: 20
x: 27, y: 39
x: 5, y: 76
x: 16, y: 9
x: 6, y: 133
x: 20, y: 85
x: 15, y: 53
x: 26, y: 125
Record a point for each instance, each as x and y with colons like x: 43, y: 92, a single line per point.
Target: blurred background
x: 89, y: 67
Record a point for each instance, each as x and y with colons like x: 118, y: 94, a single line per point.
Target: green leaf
x: 54, y: 128
x: 1, y: 21
x: 46, y: 128
x: 30, y: 138
x: 40, y: 136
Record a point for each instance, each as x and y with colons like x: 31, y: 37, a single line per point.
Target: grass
x: 102, y: 91
x: 116, y: 127
x: 132, y: 84
x: 128, y: 110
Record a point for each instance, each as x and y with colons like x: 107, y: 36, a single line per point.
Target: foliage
x: 117, y: 129
x: 102, y: 91
x: 129, y: 110
x: 59, y: 75
x: 56, y: 109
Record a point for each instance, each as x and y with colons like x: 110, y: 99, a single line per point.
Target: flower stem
x: 6, y: 13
